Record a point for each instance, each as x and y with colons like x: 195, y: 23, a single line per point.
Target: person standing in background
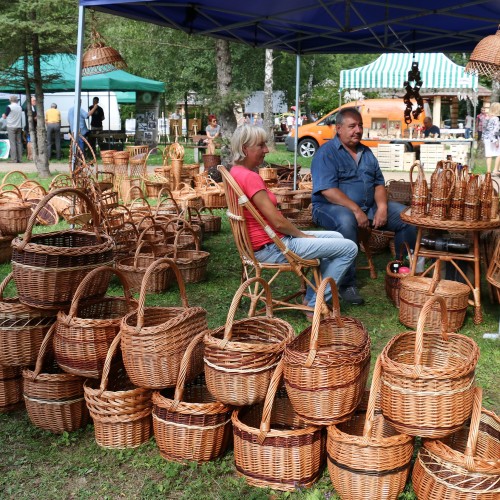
x: 33, y: 113
x: 53, y: 121
x: 429, y: 128
x: 14, y: 116
x: 480, y: 119
x: 82, y: 125
x: 96, y: 120
x: 213, y: 131
x: 468, y: 126
x: 491, y: 139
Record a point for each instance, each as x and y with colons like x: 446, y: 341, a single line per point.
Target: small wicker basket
x: 11, y: 388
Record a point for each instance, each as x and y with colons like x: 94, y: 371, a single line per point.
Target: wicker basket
x: 428, y: 378
x: 212, y: 222
x: 83, y: 335
x: 268, y: 173
x: 378, y: 241
x: 14, y: 213
x: 49, y: 267
x: 191, y: 425
x: 187, y: 197
x: 191, y: 263
x: 154, y: 338
x: 11, y: 388
x: 442, y: 186
x: 22, y: 330
x: 54, y: 400
x: 393, y: 280
x: 241, y: 355
x: 210, y: 161
x: 120, y: 411
x: 415, y: 290
x: 419, y: 192
x: 367, y: 457
x: 166, y: 205
x: 273, y: 447
x: 399, y: 191
x: 327, y: 365
x: 464, y: 466
x: 5, y: 248
x: 213, y: 196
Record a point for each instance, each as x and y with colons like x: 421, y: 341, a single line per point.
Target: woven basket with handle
x: 241, y: 355
x: 393, y: 280
x: 11, y: 388
x: 273, y: 447
x: 327, y: 365
x: 367, y: 457
x: 428, y: 378
x: 465, y: 465
x: 190, y: 425
x: 154, y: 339
x: 120, y: 411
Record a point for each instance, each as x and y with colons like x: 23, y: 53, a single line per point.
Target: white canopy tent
x: 390, y: 71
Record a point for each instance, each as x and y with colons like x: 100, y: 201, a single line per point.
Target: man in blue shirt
x: 82, y: 123
x: 349, y: 193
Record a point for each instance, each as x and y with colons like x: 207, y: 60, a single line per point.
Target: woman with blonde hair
x: 336, y: 254
x: 491, y: 139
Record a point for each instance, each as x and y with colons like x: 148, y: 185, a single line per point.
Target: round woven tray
x: 459, y: 225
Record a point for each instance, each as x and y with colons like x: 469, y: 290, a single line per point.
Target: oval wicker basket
x: 465, y: 465
x: 54, y: 400
x: 428, y: 378
x: 83, y: 335
x: 49, y: 267
x: 241, y: 355
x: 191, y: 263
x: 367, y: 457
x: 154, y: 339
x: 327, y: 365
x: 273, y: 447
x: 190, y: 425
x: 120, y: 411
x: 15, y: 214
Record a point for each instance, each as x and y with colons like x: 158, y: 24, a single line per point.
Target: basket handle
x: 419, y: 337
x: 265, y: 423
x: 42, y: 351
x: 164, y: 261
x: 46, y: 199
x: 107, y: 363
x: 16, y: 190
x: 183, y: 369
x: 415, y: 164
x: 88, y: 279
x: 12, y: 172
x: 149, y: 218
x: 318, y: 309
x: 436, y: 277
x: 470, y: 448
x: 4, y: 284
x: 136, y: 200
x: 185, y: 230
x: 228, y: 329
x: 140, y: 244
x: 154, y: 226
x: 183, y: 223
x: 370, y: 410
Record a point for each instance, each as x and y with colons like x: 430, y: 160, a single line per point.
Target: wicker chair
x: 251, y: 267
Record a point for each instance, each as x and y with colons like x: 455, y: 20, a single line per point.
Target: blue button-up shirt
x: 83, y: 116
x: 334, y: 167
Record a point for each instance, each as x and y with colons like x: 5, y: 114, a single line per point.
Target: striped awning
x: 390, y: 71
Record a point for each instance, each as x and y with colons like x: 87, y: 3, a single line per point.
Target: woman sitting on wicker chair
x: 336, y: 254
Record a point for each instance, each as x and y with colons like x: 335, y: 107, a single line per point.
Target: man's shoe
x: 350, y: 295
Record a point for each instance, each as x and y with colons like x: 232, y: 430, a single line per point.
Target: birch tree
x: 268, y: 100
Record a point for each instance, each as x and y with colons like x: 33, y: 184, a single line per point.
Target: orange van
x: 378, y: 115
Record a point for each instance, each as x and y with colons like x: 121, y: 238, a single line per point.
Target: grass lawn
x: 38, y: 464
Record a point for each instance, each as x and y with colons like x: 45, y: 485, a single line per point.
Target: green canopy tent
x: 58, y: 71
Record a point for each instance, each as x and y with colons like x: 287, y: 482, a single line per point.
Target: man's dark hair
x: 347, y: 111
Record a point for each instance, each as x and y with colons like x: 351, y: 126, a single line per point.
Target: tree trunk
x: 227, y: 117
x: 309, y: 90
x: 39, y: 144
x: 268, y: 100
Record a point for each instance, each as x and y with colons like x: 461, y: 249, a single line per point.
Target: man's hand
x: 380, y: 217
x: 361, y: 218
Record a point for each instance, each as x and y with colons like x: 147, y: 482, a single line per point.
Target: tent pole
x: 296, y: 125
x: 78, y: 83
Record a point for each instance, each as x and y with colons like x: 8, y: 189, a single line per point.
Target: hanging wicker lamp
x: 485, y: 59
x: 100, y: 57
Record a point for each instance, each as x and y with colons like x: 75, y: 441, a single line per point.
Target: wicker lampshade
x: 485, y: 58
x: 100, y: 57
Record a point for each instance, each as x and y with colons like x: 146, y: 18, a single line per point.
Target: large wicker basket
x: 191, y: 263
x: 367, y: 457
x: 154, y: 338
x: 54, y: 400
x: 415, y: 291
x: 327, y: 365
x: 14, y: 214
x: 191, y: 425
x: 22, y: 329
x: 49, y: 267
x: 464, y: 466
x: 273, y: 447
x: 241, y: 355
x: 120, y: 411
x: 83, y: 335
x: 428, y: 378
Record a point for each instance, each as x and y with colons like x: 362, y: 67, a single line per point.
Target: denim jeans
x: 341, y: 219
x: 336, y: 255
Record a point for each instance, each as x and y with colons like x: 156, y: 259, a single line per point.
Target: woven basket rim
x: 186, y: 408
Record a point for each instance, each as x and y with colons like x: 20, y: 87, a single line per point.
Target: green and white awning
x: 390, y: 71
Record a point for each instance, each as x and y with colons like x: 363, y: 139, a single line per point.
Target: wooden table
x: 475, y: 229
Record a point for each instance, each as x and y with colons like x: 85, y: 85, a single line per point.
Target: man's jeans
x: 336, y: 255
x: 341, y: 219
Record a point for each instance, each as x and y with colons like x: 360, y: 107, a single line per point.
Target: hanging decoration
x: 485, y: 58
x: 99, y: 56
x: 413, y: 93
